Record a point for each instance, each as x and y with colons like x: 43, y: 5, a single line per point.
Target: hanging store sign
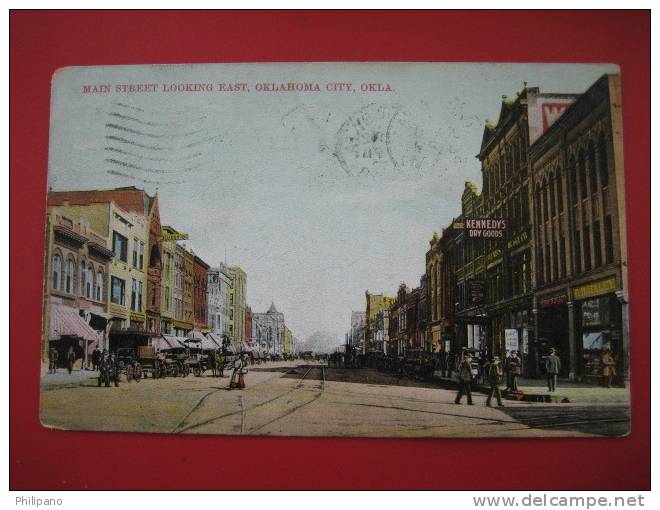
x: 173, y: 236
x: 477, y: 290
x: 486, y: 228
x: 595, y: 289
x: 521, y: 238
x: 561, y: 299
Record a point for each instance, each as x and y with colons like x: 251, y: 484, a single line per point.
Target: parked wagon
x: 149, y: 361
x: 128, y: 364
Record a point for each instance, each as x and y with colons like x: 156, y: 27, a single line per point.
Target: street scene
x: 339, y: 250
x: 309, y: 398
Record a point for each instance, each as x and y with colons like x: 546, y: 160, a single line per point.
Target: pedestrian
x: 96, y: 358
x: 514, y: 368
x: 609, y: 367
x: 114, y: 368
x: 552, y: 366
x: 465, y: 376
x: 494, y: 377
x: 70, y: 359
x: 210, y: 357
x: 52, y: 360
x: 233, y: 381
x: 242, y: 371
x: 219, y: 363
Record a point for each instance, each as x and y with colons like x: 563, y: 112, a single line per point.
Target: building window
x: 572, y: 173
x: 89, y: 283
x: 136, y: 296
x: 120, y: 246
x: 99, y: 286
x: 592, y: 168
x: 577, y: 263
x: 136, y: 245
x: 562, y: 257
x: 553, y: 210
x: 68, y: 275
x: 602, y: 161
x: 117, y: 290
x: 587, y: 248
x: 83, y: 278
x: 598, y: 253
x: 141, y: 255
x: 555, y: 261
x: 582, y: 174
x: 609, y: 243
x: 57, y: 270
x: 560, y: 194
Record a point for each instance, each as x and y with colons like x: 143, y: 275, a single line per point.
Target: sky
x: 317, y: 195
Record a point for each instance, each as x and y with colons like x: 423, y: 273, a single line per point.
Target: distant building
x: 268, y: 330
x: 355, y: 336
x: 375, y: 303
x: 200, y: 282
x: 168, y: 283
x: 248, y: 326
x: 237, y: 297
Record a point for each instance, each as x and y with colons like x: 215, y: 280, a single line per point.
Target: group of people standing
x: 468, y: 372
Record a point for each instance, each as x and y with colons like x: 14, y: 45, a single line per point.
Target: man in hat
x: 494, y: 376
x: 465, y: 377
x: 552, y: 366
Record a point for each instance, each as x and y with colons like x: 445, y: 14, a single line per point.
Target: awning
x: 216, y: 338
x: 204, y: 343
x: 165, y: 342
x: 246, y: 348
x: 65, y: 321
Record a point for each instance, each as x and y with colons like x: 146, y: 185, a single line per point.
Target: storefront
x: 68, y: 330
x: 598, y: 328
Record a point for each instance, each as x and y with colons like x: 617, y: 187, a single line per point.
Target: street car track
x: 243, y: 411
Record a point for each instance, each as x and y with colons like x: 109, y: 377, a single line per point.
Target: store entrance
x: 553, y: 334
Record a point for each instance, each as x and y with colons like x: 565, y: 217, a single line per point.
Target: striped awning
x: 65, y: 321
x: 165, y: 342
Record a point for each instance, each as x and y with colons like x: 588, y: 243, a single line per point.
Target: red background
x: 43, y: 41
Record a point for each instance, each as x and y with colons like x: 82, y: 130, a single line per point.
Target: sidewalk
x: 62, y: 377
x: 535, y: 390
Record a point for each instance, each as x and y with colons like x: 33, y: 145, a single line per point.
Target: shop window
x: 117, y: 290
x: 57, y: 270
x: 587, y: 248
x: 609, y: 244
x: 120, y: 246
x: 598, y: 250
x: 602, y: 161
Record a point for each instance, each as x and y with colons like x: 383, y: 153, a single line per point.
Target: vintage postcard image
x: 345, y: 249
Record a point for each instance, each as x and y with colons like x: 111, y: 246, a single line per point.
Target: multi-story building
x: 124, y: 217
x: 75, y: 288
x: 219, y: 286
x: 248, y: 326
x: 155, y: 266
x: 287, y: 341
x: 579, y: 235
x: 375, y: 303
x: 268, y: 330
x: 183, y: 291
x: 168, y: 279
x: 441, y: 291
x: 237, y: 297
x: 200, y: 304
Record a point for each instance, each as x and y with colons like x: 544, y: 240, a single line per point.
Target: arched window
x: 99, y: 286
x: 154, y: 258
x: 602, y: 161
x: 553, y: 209
x: 68, y: 275
x: 57, y: 270
x: 560, y: 192
x: 89, y: 283
x: 582, y: 171
x: 83, y: 278
x: 591, y: 156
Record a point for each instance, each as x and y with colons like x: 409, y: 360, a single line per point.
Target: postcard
x: 337, y: 249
